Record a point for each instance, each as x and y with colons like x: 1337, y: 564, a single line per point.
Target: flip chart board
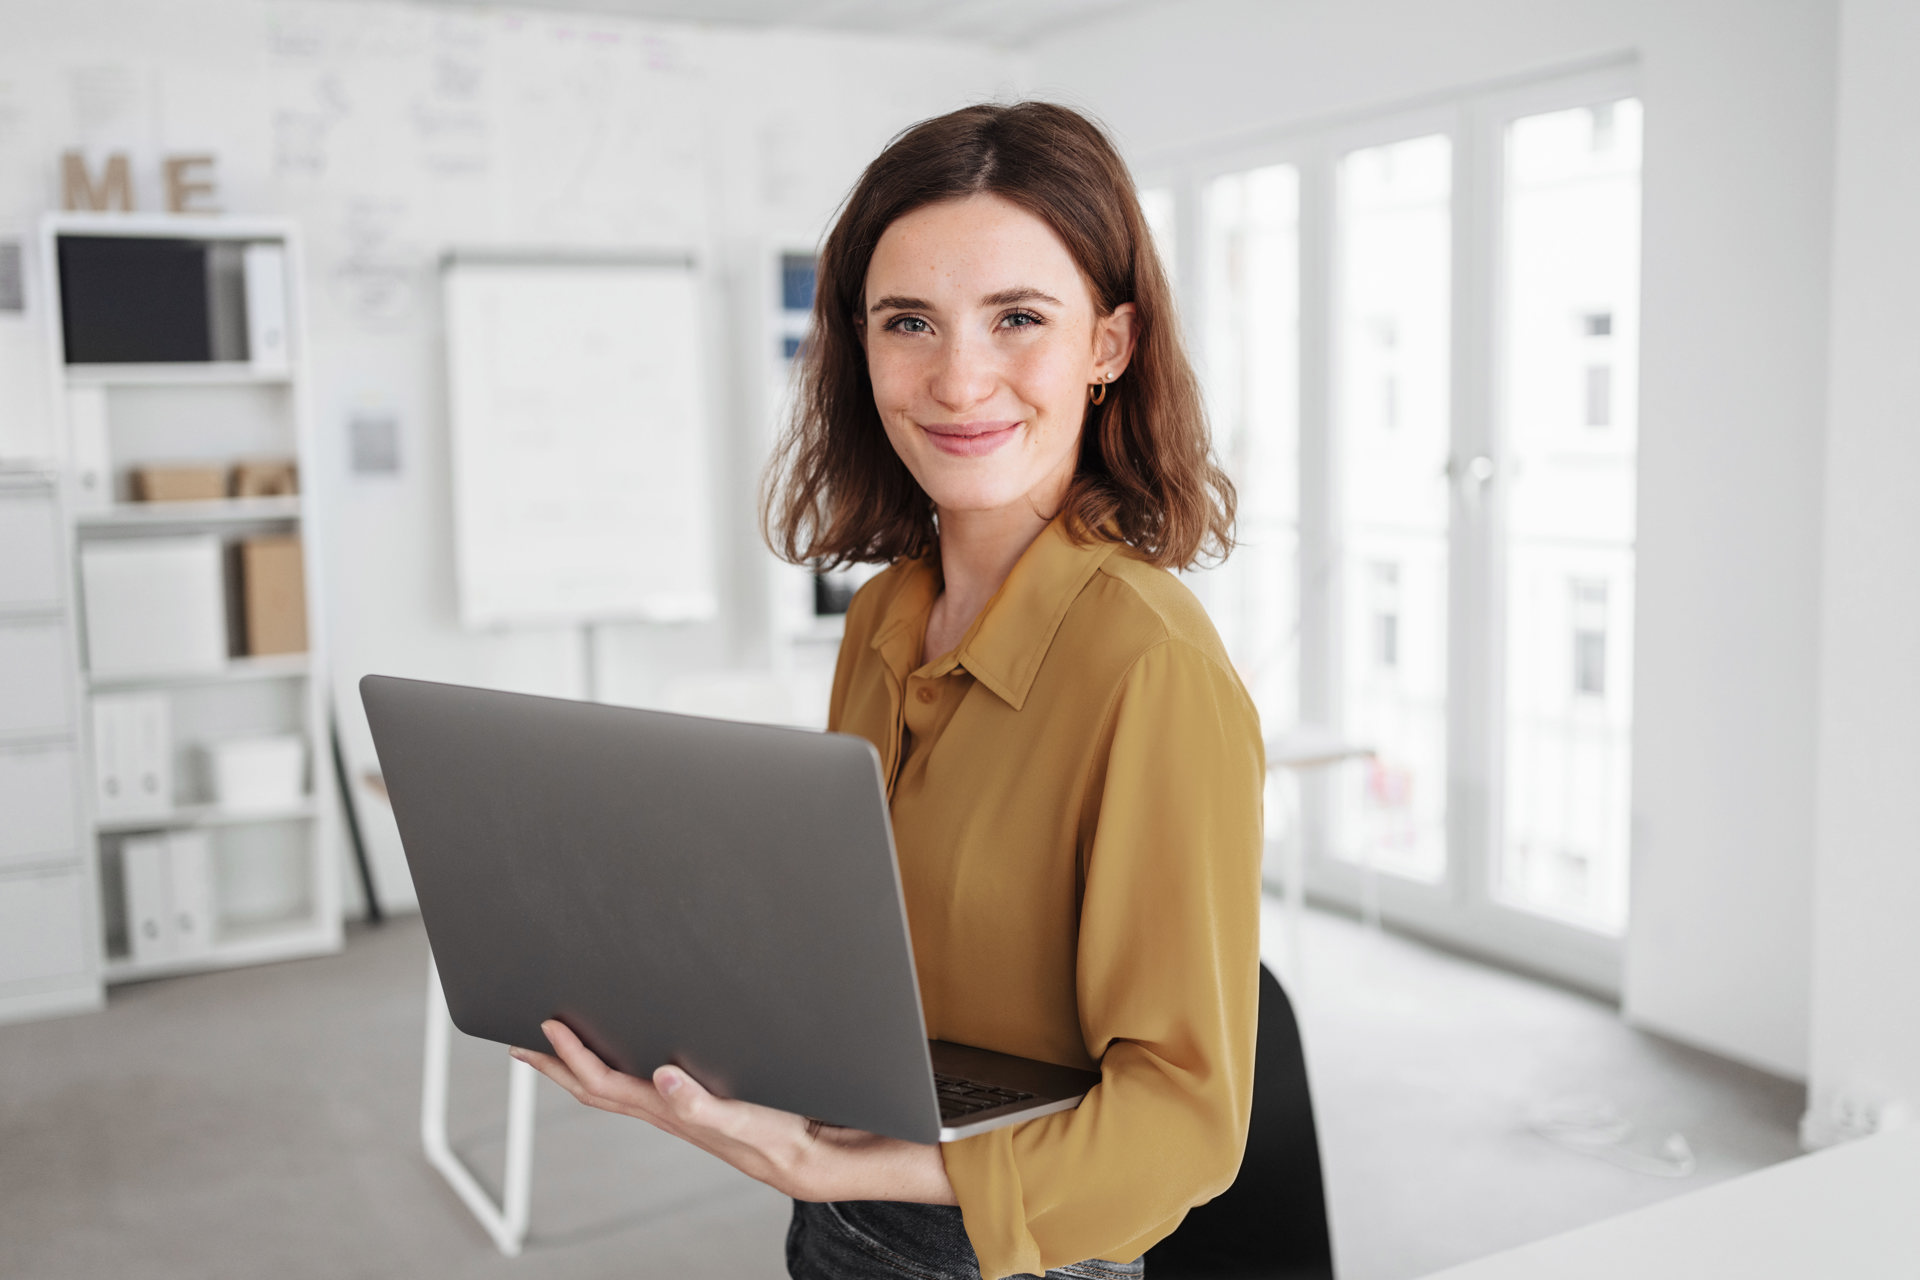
x: 580, y: 440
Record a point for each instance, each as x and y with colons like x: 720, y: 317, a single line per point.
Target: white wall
x: 1866, y: 931
x: 393, y: 131
x: 1739, y: 99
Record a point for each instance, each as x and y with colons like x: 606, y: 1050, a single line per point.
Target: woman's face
x: 982, y: 339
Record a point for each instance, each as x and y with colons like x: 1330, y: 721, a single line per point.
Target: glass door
x: 1391, y: 438
x: 1569, y: 376
x: 1418, y: 340
x: 1250, y: 356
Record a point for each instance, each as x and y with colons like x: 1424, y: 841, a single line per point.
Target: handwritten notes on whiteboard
x: 580, y: 441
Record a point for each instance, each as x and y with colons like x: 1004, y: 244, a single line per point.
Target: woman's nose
x: 964, y: 376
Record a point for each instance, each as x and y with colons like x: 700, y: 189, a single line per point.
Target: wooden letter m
x: 80, y: 192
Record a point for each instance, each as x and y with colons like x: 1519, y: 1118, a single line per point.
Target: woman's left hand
x: 798, y: 1157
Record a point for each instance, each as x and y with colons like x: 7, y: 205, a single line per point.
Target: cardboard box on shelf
x: 200, y: 483
x: 265, y: 478
x: 273, y: 587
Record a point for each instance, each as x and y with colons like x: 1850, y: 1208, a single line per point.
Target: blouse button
x: 926, y: 693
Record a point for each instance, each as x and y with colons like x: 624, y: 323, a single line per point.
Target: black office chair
x: 1271, y: 1224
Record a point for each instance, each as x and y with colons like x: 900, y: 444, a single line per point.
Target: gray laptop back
x: 721, y: 896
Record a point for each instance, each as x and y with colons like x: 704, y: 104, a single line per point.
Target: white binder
x: 143, y: 865
x: 89, y: 455
x: 132, y: 756
x: 265, y: 266
x: 190, y: 891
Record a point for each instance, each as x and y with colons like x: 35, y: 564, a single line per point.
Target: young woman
x: 995, y: 403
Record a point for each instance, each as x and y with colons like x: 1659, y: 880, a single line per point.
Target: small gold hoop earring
x: 1097, y: 393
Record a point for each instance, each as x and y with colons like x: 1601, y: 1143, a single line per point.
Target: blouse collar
x: 1006, y: 644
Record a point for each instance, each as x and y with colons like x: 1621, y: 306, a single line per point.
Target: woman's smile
x: 969, y: 439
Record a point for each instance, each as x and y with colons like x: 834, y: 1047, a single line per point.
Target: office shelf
x: 219, y: 511
x: 210, y: 373
x: 156, y: 413
x: 210, y: 815
x: 244, y: 945
x: 28, y: 739
x: 286, y: 666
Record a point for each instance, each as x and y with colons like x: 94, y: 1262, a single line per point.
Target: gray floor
x: 264, y: 1121
x: 1424, y: 1067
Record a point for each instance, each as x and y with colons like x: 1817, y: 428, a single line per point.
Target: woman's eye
x: 908, y: 324
x: 1021, y: 320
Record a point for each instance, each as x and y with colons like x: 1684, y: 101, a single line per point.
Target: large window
x: 1391, y: 423
x: 1419, y: 339
x: 1252, y: 345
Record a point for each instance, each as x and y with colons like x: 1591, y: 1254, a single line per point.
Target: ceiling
x: 1004, y: 23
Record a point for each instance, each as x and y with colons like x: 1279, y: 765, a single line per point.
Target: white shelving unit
x: 50, y: 959
x: 274, y: 882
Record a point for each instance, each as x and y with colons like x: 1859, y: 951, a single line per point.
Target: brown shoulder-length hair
x: 835, y: 491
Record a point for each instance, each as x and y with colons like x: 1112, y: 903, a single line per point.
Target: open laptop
x: 717, y: 895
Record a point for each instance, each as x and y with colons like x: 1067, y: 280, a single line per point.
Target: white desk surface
x: 1852, y: 1211
x: 1309, y: 746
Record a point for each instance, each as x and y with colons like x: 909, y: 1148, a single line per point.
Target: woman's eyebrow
x: 1013, y: 297
x: 1004, y: 298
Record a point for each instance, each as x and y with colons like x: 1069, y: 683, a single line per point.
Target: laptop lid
x: 717, y: 895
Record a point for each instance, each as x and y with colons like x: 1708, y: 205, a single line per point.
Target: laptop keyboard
x: 960, y: 1097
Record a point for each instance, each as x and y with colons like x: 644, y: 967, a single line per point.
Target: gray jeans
x: 886, y: 1240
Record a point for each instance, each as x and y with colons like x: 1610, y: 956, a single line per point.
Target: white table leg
x: 507, y: 1223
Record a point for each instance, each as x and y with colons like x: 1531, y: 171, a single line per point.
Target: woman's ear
x: 1114, y: 335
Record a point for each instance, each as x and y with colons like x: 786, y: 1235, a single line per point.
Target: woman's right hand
x: 795, y: 1156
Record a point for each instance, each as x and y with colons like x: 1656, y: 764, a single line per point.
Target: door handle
x: 1472, y: 478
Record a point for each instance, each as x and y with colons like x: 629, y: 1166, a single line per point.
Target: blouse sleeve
x: 1168, y: 986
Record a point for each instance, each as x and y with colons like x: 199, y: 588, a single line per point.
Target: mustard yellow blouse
x: 1076, y: 796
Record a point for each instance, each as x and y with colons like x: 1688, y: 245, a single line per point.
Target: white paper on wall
x: 580, y: 443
